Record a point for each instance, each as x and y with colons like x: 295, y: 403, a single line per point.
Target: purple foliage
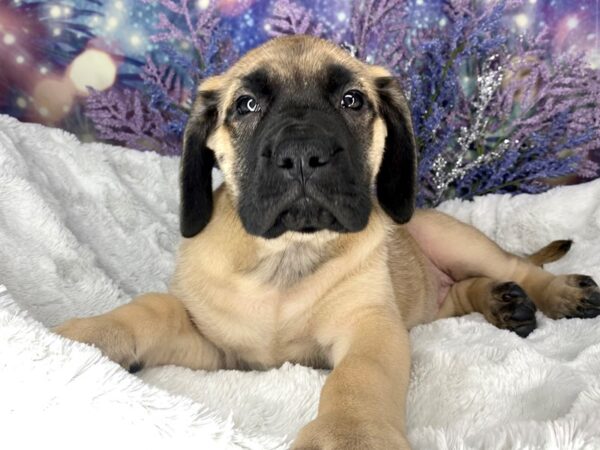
x: 378, y: 30
x: 124, y: 117
x: 440, y: 106
x: 165, y: 83
x: 181, y: 24
x: 542, y: 89
x: 527, y: 167
x: 196, y: 47
x: 291, y: 18
x: 536, y: 126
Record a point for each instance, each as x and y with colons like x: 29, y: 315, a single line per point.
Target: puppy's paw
x: 114, y: 340
x: 511, y: 309
x: 572, y: 296
x: 340, y: 432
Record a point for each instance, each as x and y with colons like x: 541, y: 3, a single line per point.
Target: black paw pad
x: 594, y: 299
x: 524, y: 311
x: 513, y: 310
x: 509, y: 292
x: 525, y: 330
x: 135, y: 367
x: 585, y: 282
x: 589, y: 307
x: 585, y: 313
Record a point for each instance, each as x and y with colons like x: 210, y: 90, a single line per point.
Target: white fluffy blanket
x: 84, y: 227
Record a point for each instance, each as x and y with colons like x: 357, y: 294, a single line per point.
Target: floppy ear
x: 197, y: 163
x: 396, y: 180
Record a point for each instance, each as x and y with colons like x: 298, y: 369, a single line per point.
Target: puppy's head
x: 305, y: 134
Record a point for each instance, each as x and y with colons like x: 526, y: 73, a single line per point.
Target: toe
x: 590, y: 313
x: 135, y: 367
x: 587, y: 312
x: 588, y: 306
x: 509, y: 291
x: 524, y: 311
x: 525, y: 329
x: 594, y: 299
x: 584, y: 281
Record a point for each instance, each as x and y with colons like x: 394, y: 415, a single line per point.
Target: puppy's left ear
x: 397, y: 177
x: 197, y: 163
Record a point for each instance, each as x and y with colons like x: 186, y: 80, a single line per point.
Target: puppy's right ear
x: 197, y: 163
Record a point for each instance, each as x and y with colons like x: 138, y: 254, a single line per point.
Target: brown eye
x: 246, y: 104
x: 352, y: 100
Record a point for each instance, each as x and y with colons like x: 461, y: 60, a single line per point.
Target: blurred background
x: 504, y: 94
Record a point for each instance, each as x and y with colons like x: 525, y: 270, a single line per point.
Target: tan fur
x: 343, y: 301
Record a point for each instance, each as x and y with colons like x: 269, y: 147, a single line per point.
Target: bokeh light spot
x: 522, y: 20
x: 572, y: 22
x: 93, y: 68
x: 53, y: 98
x: 9, y: 39
x: 112, y: 23
x: 55, y: 12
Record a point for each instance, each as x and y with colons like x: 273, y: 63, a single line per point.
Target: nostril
x: 267, y: 153
x: 317, y: 161
x: 313, y: 161
x: 285, y: 163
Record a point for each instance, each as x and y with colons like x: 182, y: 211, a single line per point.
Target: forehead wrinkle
x: 226, y: 98
x: 258, y: 82
x: 298, y: 62
x: 337, y: 76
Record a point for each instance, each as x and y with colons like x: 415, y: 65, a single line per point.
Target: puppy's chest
x: 261, y: 316
x: 261, y: 319
x: 259, y: 328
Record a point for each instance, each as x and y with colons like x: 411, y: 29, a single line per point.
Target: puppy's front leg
x: 362, y: 404
x: 152, y: 330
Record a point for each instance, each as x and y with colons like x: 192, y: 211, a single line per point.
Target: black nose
x: 301, y: 158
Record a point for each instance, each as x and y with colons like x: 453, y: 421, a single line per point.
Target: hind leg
x: 504, y: 304
x: 464, y: 253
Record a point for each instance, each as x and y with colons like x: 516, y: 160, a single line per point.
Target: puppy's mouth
x: 304, y: 216
x: 305, y: 209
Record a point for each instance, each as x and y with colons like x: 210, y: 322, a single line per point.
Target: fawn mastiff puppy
x: 312, y: 252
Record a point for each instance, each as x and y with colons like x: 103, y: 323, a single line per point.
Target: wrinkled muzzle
x: 305, y: 178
